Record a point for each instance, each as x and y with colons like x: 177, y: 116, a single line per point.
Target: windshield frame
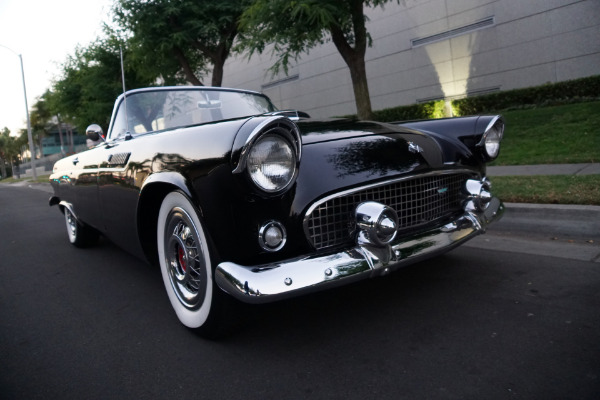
x: 122, y: 98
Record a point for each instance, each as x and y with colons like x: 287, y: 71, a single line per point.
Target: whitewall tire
x: 185, y: 262
x: 79, y: 234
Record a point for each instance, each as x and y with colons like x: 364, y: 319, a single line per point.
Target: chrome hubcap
x: 185, y: 261
x: 71, y: 224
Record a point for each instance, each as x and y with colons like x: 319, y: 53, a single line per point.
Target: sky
x: 44, y: 32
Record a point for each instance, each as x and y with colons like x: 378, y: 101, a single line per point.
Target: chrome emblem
x: 414, y: 148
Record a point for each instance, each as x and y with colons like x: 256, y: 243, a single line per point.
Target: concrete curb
x: 578, y: 221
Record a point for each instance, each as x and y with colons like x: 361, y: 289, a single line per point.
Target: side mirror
x: 94, y: 132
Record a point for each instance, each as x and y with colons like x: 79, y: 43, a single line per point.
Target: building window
x: 484, y: 23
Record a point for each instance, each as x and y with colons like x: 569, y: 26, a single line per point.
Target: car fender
x: 167, y: 177
x: 152, y: 192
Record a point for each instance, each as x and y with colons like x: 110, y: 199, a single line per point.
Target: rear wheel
x: 80, y: 235
x: 186, y: 266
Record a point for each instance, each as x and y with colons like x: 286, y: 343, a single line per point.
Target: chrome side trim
x: 293, y: 277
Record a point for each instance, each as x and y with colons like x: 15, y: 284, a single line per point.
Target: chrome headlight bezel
x: 492, y: 136
x: 271, y: 163
x: 285, y: 136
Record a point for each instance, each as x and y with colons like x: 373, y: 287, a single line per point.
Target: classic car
x: 234, y: 199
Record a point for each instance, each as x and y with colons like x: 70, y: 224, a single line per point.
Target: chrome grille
x: 417, y: 201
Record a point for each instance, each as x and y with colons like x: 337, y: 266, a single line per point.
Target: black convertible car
x: 235, y: 198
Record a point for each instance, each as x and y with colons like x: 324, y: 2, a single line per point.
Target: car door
x: 83, y: 177
x: 118, y: 192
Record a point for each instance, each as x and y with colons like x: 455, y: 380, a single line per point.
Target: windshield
x: 157, y: 110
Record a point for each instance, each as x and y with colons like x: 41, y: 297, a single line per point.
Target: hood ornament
x: 414, y: 148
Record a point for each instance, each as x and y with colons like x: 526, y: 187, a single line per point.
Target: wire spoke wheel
x: 185, y: 261
x: 186, y: 266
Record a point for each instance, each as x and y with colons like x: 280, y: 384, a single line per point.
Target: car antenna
x: 127, y: 132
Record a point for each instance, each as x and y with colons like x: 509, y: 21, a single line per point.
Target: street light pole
x: 29, y: 134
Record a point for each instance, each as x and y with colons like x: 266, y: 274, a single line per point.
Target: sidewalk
x: 570, y: 220
x: 545, y: 169
x: 564, y: 231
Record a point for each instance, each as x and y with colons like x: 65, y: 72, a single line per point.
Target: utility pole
x: 29, y: 134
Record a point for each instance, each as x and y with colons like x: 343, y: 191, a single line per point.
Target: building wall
x: 432, y: 49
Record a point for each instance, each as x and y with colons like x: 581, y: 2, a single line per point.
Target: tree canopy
x: 91, y: 81
x: 295, y: 27
x: 193, y: 34
x: 172, y: 41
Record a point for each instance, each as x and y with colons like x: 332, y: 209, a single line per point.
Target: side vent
x: 118, y: 159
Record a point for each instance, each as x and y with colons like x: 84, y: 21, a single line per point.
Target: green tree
x: 3, y: 135
x: 10, y: 149
x: 91, y: 81
x: 41, y: 118
x: 295, y: 27
x: 191, y: 33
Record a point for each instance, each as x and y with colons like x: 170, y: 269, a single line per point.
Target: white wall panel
x: 531, y: 42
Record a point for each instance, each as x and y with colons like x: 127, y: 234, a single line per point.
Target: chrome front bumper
x: 293, y: 277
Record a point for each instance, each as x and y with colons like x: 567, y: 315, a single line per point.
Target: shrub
x: 550, y: 94
x: 574, y: 91
x: 429, y: 110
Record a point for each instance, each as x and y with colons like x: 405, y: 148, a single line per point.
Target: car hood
x: 367, y: 149
x: 343, y: 154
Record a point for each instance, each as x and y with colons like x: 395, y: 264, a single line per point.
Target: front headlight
x: 492, y: 138
x: 271, y: 163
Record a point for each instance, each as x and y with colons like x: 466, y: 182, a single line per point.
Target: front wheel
x: 186, y: 265
x: 80, y: 235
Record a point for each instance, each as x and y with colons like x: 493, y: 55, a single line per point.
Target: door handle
x: 75, y: 160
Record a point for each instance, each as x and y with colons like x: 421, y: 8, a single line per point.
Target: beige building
x: 433, y: 49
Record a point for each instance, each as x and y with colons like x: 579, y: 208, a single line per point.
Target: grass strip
x: 565, y: 134
x: 548, y: 189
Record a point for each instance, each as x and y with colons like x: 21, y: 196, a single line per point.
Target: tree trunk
x: 217, y: 73
x: 60, y: 134
x: 360, y: 85
x: 41, y: 144
x: 355, y: 58
x: 70, y: 135
x: 219, y: 56
x: 16, y: 173
x: 2, y: 168
x: 190, y: 76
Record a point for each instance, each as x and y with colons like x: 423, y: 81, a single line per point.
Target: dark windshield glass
x: 169, y: 109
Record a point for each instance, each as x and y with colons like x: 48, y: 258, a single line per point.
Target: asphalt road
x: 476, y: 323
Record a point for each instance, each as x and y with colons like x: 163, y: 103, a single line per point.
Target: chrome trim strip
x: 293, y: 277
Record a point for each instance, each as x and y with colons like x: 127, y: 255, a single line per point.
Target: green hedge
x: 432, y: 109
x: 429, y: 110
x: 574, y: 91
